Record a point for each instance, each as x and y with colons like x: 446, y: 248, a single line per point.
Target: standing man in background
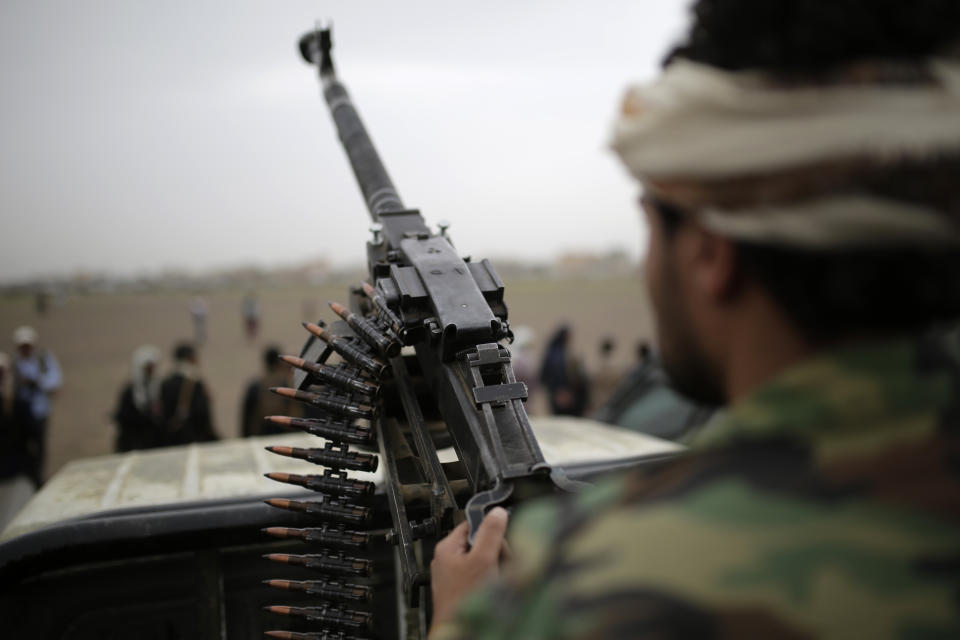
x: 250, y: 309
x: 258, y: 401
x: 187, y: 414
x: 198, y: 314
x: 15, y: 488
x: 564, y: 376
x: 36, y: 378
x: 139, y: 412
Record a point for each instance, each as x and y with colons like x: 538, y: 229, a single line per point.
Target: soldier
x: 799, y: 164
x: 139, y: 412
x: 258, y: 401
x: 563, y: 376
x: 186, y: 405
x: 36, y: 378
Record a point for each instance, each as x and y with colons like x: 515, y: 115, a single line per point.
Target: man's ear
x: 715, y: 270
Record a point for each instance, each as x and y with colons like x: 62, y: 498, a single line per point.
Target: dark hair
x: 607, y: 345
x: 184, y: 351
x: 271, y: 356
x: 808, y: 36
x: 559, y: 337
x: 835, y: 294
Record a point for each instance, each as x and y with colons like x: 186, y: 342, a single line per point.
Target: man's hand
x: 456, y: 569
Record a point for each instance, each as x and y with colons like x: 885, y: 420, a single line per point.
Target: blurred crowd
x: 160, y: 411
x: 561, y: 376
x: 165, y: 400
x: 155, y: 411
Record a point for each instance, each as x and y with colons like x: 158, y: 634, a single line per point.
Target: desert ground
x: 94, y: 335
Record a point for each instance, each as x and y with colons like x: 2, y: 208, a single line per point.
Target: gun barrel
x: 375, y: 183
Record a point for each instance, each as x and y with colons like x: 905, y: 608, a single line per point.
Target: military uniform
x: 826, y: 505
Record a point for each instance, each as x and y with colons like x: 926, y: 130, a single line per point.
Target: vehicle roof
x: 235, y: 468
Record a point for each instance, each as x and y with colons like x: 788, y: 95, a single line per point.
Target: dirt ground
x: 93, y: 337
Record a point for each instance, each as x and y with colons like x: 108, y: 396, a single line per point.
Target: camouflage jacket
x: 827, y: 505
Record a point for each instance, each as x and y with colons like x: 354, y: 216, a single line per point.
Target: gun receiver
x: 453, y: 382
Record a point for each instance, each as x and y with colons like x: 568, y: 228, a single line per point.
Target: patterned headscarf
x: 760, y: 158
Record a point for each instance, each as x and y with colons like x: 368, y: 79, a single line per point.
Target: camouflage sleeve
x: 827, y: 506
x: 548, y: 593
x: 526, y: 602
x: 723, y: 560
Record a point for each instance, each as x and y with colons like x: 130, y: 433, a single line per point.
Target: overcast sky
x: 141, y: 136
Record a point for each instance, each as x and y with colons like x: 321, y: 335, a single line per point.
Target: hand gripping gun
x: 415, y: 364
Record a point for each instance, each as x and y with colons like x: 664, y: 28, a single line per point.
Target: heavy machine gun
x: 415, y: 364
x: 422, y: 425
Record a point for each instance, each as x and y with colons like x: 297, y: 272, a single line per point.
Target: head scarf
x: 146, y: 391
x: 758, y: 158
x: 24, y: 335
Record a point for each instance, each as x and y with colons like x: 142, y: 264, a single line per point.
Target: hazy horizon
x: 140, y: 138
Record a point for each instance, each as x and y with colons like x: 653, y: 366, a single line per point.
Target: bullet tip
x: 283, y: 451
x: 277, y: 557
x: 278, y: 584
x: 281, y: 609
x: 286, y: 392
